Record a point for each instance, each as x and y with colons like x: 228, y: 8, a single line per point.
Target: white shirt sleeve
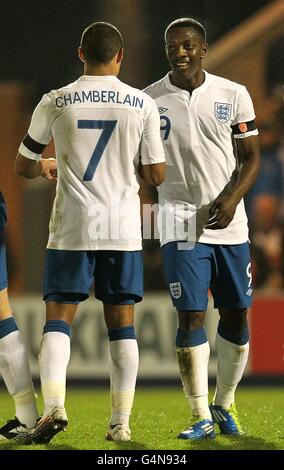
x: 244, y: 113
x: 39, y: 130
x: 152, y: 150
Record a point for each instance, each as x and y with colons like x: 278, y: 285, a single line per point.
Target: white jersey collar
x: 97, y: 77
x: 202, y: 87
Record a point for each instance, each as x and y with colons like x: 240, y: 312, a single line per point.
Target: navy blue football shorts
x: 224, y: 269
x: 3, y: 265
x: 117, y: 275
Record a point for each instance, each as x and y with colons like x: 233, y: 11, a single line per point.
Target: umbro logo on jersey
x: 162, y: 110
x: 223, y: 111
x: 175, y: 289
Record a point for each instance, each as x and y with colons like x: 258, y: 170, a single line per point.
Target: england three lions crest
x: 175, y: 289
x: 223, y: 111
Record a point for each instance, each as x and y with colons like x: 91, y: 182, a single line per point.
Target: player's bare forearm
x: 26, y: 167
x: 153, y: 174
x: 223, y: 208
x: 32, y: 168
x: 249, y: 158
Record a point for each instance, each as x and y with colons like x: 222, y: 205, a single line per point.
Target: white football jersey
x: 101, y: 127
x: 197, y: 132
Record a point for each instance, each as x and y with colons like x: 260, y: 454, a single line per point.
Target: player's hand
x: 49, y: 168
x: 221, y: 212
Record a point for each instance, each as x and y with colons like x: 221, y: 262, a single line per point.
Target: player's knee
x: 235, y: 321
x: 189, y: 339
x: 235, y: 332
x: 191, y: 321
x: 119, y: 316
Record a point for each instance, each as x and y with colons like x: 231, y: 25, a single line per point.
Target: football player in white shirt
x: 106, y: 136
x: 14, y: 362
x: 205, y: 121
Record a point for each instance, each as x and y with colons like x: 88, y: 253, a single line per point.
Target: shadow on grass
x: 133, y: 445
x: 60, y: 447
x: 234, y: 443
x: 14, y: 446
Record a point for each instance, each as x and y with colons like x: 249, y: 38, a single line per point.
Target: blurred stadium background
x: 39, y: 52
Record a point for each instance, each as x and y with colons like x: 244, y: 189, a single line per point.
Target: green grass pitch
x: 158, y: 416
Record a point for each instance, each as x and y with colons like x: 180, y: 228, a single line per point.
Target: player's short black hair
x: 100, y: 42
x: 187, y: 23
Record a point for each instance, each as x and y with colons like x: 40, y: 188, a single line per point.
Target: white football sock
x: 53, y: 361
x: 15, y: 369
x: 232, y: 359
x: 193, y: 367
x: 124, y: 358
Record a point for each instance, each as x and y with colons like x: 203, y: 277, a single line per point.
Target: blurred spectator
x: 259, y: 266
x: 263, y: 204
x: 270, y: 178
x: 275, y: 67
x: 267, y: 241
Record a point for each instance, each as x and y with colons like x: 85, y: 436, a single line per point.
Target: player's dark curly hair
x: 100, y: 42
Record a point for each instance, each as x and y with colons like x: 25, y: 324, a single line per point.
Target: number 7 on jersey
x: 107, y: 128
